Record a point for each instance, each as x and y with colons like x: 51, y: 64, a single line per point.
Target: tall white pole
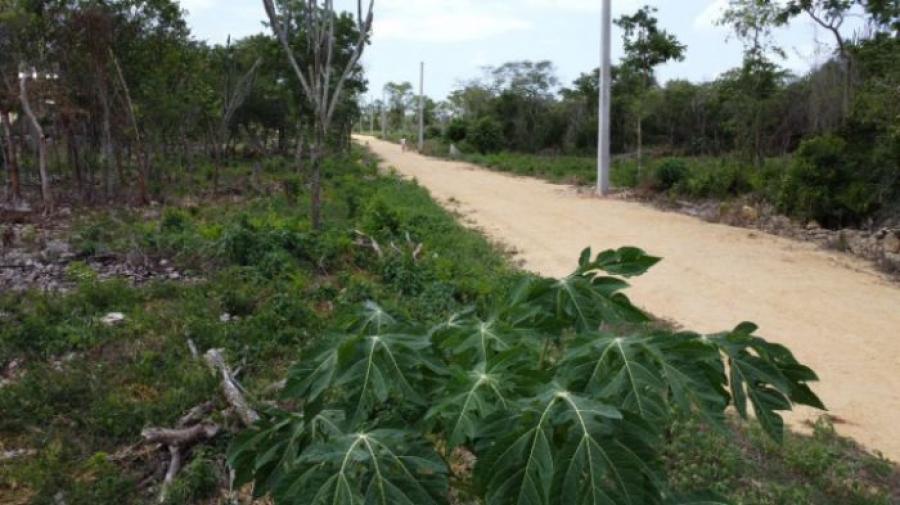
x: 603, y: 130
x: 421, y: 105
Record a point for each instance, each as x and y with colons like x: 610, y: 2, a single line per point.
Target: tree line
x: 113, y: 101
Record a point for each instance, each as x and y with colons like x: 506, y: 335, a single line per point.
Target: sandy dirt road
x: 834, y: 312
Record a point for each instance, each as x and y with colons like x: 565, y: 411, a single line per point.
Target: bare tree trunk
x: 41, y: 141
x: 640, y: 144
x: 316, y: 154
x: 298, y: 152
x: 143, y: 162
x: 107, y: 147
x: 12, y: 163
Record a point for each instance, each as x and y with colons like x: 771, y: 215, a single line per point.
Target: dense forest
x: 839, y: 122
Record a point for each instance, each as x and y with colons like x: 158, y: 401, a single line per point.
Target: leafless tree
x: 830, y: 16
x: 235, y: 95
x: 40, y: 138
x: 315, y: 73
x: 144, y: 162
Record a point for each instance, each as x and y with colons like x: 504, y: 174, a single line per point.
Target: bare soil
x: 835, y: 312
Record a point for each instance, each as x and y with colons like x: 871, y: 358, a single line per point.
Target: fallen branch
x: 230, y: 388
x: 174, y: 467
x: 196, y: 414
x: 182, y: 436
x: 177, y: 440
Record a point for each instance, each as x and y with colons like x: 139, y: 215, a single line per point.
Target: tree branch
x: 282, y: 37
x: 230, y: 387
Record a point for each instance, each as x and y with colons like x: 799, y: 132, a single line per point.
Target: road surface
x: 836, y: 313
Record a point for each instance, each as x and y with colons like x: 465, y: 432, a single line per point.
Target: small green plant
x: 555, y: 407
x: 669, y: 173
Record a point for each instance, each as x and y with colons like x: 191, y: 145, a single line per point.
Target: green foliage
x: 556, y: 408
x: 669, y: 173
x: 486, y: 135
x: 197, y: 481
x: 824, y: 183
x: 457, y: 130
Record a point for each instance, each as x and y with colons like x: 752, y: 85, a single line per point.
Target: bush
x: 486, y: 135
x: 457, y: 130
x: 669, y: 173
x: 818, y: 184
x: 715, y: 179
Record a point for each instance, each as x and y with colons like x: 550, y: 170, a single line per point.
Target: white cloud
x: 445, y: 21
x: 709, y: 17
x: 194, y: 6
x: 458, y: 27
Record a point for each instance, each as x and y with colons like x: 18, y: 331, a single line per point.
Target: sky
x: 457, y: 38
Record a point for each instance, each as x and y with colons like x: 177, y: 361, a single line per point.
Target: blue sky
x: 455, y: 38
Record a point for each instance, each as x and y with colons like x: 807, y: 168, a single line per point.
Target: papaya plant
x: 560, y: 395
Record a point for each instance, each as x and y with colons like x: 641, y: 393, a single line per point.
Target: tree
x: 758, y: 79
x: 37, y: 131
x: 400, y: 99
x: 236, y: 86
x: 646, y: 47
x: 830, y: 15
x: 326, y: 68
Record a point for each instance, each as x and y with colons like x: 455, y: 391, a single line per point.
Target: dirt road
x: 834, y: 312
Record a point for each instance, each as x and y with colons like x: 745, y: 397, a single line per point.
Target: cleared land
x: 836, y: 313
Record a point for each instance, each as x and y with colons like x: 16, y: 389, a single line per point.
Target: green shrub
x: 174, y: 220
x: 486, y: 135
x: 457, y: 130
x: 817, y: 182
x: 669, y: 173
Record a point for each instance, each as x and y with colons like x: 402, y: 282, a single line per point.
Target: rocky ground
x: 37, y: 254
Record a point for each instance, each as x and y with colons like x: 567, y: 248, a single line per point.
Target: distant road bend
x: 835, y: 313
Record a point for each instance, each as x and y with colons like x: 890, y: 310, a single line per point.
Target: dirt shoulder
x: 835, y: 312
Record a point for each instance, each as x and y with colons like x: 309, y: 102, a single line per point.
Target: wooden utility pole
x: 421, y: 105
x: 605, y: 83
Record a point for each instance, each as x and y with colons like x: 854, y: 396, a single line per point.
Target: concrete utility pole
x: 603, y: 130
x: 421, y: 105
